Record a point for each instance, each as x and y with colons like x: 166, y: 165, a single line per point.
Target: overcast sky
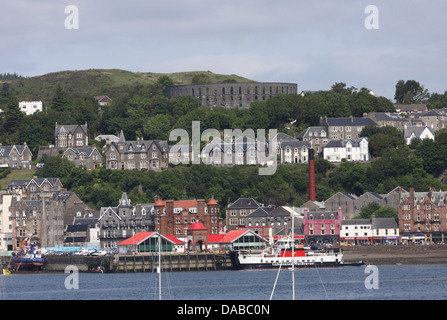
x: 313, y: 43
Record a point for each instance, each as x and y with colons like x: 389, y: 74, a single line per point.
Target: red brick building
x: 176, y: 217
x: 422, y: 216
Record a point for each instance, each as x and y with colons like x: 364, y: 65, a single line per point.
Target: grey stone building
x: 89, y: 157
x: 345, y: 128
x: 66, y: 136
x: 238, y: 211
x: 136, y: 155
x: 123, y: 221
x: 232, y: 95
x: 16, y: 156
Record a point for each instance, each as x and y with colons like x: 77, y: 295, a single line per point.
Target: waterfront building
x: 175, y: 217
x: 422, y: 216
x: 238, y: 210
x: 370, y: 231
x: 118, y: 223
x: 149, y: 242
x: 322, y: 226
x: 236, y: 240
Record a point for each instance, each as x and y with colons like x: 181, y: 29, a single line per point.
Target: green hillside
x: 95, y: 82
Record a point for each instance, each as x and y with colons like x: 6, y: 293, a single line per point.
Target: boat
x: 28, y: 257
x: 284, y: 253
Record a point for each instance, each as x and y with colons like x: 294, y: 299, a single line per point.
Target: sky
x: 314, y: 43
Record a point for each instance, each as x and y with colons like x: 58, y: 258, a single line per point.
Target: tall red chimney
x: 312, y: 192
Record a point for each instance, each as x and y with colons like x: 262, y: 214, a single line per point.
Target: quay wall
x: 140, y: 262
x: 172, y: 262
x: 402, y: 254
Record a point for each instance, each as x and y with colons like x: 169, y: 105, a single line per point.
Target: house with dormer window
x: 16, y: 156
x: 123, y: 221
x: 68, y: 136
x: 136, y: 155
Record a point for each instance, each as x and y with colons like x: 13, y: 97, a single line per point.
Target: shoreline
x: 401, y: 254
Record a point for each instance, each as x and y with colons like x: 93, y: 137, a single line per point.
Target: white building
x: 30, y: 107
x: 418, y: 132
x: 374, y: 230
x: 356, y: 231
x: 351, y: 150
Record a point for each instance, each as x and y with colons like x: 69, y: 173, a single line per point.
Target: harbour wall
x: 140, y: 262
x: 401, y: 254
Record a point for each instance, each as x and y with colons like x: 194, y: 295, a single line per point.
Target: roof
x: 77, y: 228
x: 229, y: 237
x: 343, y: 143
x: 197, y: 226
x: 244, y: 203
x: 417, y: 131
x: 5, y: 151
x: 38, y: 181
x: 296, y: 144
x: 351, y: 121
x: 316, y: 132
x: 142, y: 236
x: 70, y: 128
x: 317, y: 215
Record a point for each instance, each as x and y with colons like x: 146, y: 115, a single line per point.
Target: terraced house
x: 16, y: 156
x: 423, y: 216
x: 123, y: 221
x: 136, y: 155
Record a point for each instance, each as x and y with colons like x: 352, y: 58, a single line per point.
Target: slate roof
x: 313, y: 132
x: 343, y: 143
x: 5, y: 151
x: 342, y: 122
x: 70, y: 128
x: 244, y: 203
x: 296, y: 144
x: 416, y: 130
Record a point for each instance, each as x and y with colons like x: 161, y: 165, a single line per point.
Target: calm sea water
x: 343, y: 283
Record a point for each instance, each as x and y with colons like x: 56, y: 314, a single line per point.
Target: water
x: 344, y: 283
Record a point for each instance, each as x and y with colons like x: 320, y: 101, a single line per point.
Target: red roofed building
x: 236, y: 240
x: 197, y: 237
x: 148, y: 242
x: 176, y: 217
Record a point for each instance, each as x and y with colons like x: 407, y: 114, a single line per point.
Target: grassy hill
x: 15, y: 175
x: 95, y: 82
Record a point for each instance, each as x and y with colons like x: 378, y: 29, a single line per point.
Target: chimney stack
x: 312, y: 192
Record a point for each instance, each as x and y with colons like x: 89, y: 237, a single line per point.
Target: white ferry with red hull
x: 283, y: 255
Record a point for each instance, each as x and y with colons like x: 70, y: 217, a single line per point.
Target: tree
x: 12, y: 115
x: 59, y: 101
x: 157, y: 127
x: 410, y: 91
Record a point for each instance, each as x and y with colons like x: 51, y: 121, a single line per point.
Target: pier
x: 172, y: 262
x: 141, y: 262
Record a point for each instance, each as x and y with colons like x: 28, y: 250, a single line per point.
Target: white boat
x: 282, y: 254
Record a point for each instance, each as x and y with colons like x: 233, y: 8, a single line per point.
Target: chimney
x: 312, y: 192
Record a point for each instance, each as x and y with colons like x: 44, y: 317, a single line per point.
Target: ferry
x: 282, y: 254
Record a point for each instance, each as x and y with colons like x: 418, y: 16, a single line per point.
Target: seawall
x: 402, y: 254
x: 141, y: 262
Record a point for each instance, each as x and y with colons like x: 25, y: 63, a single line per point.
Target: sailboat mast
x: 159, y: 267
x: 293, y: 254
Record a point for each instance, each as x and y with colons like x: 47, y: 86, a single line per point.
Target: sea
x: 389, y: 282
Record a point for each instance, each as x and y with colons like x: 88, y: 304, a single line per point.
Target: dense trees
x: 144, y: 111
